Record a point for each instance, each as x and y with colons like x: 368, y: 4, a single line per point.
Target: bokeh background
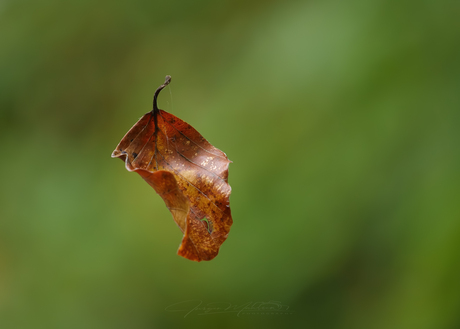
x: 342, y: 122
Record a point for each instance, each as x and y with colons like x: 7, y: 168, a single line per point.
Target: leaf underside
x: 189, y: 174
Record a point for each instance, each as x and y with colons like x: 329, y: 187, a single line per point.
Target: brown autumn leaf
x: 189, y: 174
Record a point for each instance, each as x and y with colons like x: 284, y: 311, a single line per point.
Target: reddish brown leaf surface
x: 189, y: 174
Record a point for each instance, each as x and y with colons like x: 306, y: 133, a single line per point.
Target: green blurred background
x: 342, y: 122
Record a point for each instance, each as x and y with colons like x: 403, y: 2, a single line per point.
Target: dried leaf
x: 189, y: 174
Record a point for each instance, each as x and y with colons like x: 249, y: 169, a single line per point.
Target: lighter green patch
x: 207, y: 223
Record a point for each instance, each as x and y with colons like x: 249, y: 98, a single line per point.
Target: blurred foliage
x: 342, y: 122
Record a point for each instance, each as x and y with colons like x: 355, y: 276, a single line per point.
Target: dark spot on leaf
x: 134, y: 155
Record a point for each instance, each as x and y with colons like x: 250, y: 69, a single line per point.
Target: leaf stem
x: 160, y: 88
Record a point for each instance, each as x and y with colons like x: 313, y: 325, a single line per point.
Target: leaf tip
x: 115, y: 153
